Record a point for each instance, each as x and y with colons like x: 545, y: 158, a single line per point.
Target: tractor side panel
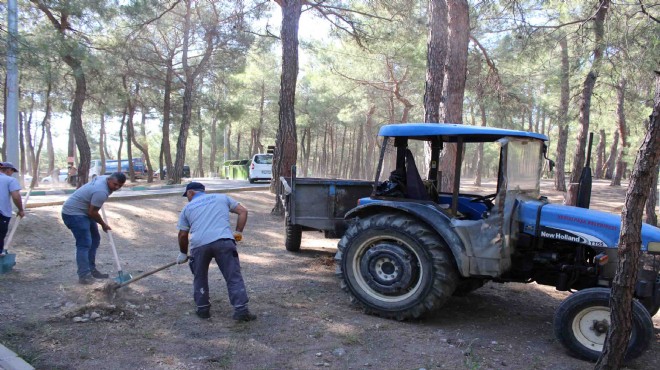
x: 571, y: 224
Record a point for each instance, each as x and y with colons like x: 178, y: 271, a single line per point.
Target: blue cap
x: 194, y: 186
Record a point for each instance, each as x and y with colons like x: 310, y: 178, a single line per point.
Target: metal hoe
x: 122, y: 276
x: 124, y: 283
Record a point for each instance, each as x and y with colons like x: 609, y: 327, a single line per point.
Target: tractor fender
x: 429, y: 214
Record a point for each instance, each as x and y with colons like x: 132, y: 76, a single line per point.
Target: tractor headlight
x: 654, y: 247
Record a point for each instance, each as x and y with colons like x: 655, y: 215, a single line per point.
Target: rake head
x: 123, y: 277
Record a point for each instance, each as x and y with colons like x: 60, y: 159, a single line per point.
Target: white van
x: 261, y: 168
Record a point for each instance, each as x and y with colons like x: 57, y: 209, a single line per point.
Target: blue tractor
x: 408, y: 246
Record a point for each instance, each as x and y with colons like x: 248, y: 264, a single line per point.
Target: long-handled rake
x: 122, y: 276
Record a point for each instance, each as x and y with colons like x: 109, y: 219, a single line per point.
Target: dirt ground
x: 305, y: 319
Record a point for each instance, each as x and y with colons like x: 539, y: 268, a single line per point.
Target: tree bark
x: 188, y: 90
x: 562, y: 119
x: 600, y: 155
x: 214, y: 145
x: 480, y: 148
x: 121, y: 137
x: 621, y: 299
x: 102, y: 142
x: 623, y: 132
x: 585, y: 101
x: 649, y: 209
x: 436, y: 54
x: 451, y: 109
x: 285, y: 153
x: 167, y: 111
x: 611, y: 159
x: 200, y: 150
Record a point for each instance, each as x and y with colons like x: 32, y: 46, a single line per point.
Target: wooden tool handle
x: 146, y: 274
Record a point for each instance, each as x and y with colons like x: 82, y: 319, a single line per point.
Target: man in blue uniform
x: 205, y: 219
x: 9, y: 191
x: 80, y: 214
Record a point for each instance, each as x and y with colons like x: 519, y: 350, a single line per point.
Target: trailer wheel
x: 293, y: 236
x: 396, y: 267
x: 583, y: 319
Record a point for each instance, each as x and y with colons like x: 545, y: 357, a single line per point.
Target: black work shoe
x: 244, y: 316
x: 204, y: 314
x: 99, y: 275
x: 86, y: 280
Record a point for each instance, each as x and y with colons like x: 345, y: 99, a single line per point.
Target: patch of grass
x: 350, y: 339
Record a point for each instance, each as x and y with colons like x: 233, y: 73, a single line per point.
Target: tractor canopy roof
x: 451, y: 132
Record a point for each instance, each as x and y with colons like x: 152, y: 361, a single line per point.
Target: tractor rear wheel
x: 394, y: 266
x: 583, y: 319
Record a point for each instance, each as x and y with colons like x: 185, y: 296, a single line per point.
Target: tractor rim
x: 590, y: 327
x: 389, y: 269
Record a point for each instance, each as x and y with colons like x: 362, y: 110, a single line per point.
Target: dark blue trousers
x: 226, y: 256
x: 4, y: 226
x: 86, y: 232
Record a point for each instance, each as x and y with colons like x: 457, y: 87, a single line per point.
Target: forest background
x: 199, y: 81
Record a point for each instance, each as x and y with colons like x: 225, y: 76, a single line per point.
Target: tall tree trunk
x: 611, y: 159
x: 649, y: 209
x: 309, y: 146
x: 29, y: 146
x: 144, y: 146
x: 167, y: 112
x: 121, y: 137
x: 214, y: 145
x: 451, y: 109
x: 45, y: 131
x: 436, y: 54
x: 50, y: 150
x: 21, y: 144
x: 357, y: 155
x: 629, y: 250
x: 129, y: 144
x: 585, y: 102
x: 371, y: 144
x: 200, y: 150
x: 102, y: 144
x: 285, y: 144
x: 35, y: 170
x: 623, y: 133
x: 562, y: 119
x: 600, y: 155
x: 188, y: 88
x: 238, y: 145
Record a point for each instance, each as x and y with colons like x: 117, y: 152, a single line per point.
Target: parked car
x: 186, y: 172
x: 261, y: 168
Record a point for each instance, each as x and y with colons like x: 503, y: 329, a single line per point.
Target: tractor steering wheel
x: 485, y: 199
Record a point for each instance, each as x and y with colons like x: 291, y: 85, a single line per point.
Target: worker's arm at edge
x: 16, y: 196
x: 94, y: 214
x: 242, y: 213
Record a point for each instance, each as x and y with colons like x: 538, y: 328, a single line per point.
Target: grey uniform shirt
x: 95, y: 193
x: 8, y: 184
x: 207, y: 218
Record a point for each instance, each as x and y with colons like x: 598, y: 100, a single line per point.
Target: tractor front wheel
x: 395, y: 266
x: 583, y: 319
